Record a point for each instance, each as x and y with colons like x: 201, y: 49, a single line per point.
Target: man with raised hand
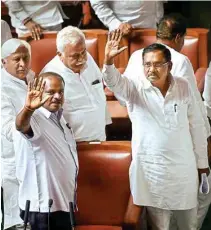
x: 47, y: 162
x: 169, y: 146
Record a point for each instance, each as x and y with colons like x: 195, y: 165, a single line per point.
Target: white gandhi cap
x: 11, y: 45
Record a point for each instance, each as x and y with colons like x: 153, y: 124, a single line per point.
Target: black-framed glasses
x: 155, y: 65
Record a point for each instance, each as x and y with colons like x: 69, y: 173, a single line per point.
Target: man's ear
x: 170, y: 65
x: 177, y: 38
x: 59, y: 53
x: 3, y: 61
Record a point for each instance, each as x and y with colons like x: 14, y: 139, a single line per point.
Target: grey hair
x: 68, y: 35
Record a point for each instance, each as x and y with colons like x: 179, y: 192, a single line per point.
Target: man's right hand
x: 35, y: 29
x: 125, y: 28
x: 112, y: 46
x: 34, y: 98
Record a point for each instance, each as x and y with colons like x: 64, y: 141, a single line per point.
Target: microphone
x: 72, y: 216
x: 50, y: 203
x: 26, y: 214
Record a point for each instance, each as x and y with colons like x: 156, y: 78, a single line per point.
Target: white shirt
x: 13, y: 94
x: 140, y: 14
x: 45, y: 13
x: 5, y: 32
x: 85, y: 104
x: 207, y: 91
x: 168, y: 141
x: 47, y: 163
x: 181, y: 67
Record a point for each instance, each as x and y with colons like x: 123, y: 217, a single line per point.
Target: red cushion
x: 98, y: 227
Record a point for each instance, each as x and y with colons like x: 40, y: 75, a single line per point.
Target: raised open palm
x: 35, y: 98
x: 112, y: 48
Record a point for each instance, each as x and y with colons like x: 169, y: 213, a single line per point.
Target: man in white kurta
x: 14, y: 76
x: 168, y: 140
x: 127, y: 15
x: 35, y: 16
x: 171, y: 32
x: 85, y: 102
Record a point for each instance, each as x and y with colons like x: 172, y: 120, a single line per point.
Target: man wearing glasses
x: 85, y: 102
x: 169, y: 145
x: 171, y: 31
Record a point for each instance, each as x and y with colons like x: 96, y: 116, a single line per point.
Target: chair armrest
x: 200, y: 77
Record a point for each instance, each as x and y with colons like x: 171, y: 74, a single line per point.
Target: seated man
x: 16, y: 58
x: 169, y: 143
x: 126, y: 15
x: 85, y: 104
x: 35, y: 16
x: 46, y: 156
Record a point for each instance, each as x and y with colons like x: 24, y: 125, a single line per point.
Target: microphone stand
x: 26, y: 214
x: 72, y: 216
x: 50, y: 203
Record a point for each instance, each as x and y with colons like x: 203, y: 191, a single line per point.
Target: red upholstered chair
x: 44, y: 49
x: 104, y: 200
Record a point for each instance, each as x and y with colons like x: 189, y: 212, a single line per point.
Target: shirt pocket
x: 179, y: 115
x: 99, y: 93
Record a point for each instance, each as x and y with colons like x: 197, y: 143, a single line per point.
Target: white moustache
x: 81, y: 63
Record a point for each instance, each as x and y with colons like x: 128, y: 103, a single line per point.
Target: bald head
x: 171, y: 31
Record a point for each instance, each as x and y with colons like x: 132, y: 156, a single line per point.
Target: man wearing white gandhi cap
x: 16, y: 58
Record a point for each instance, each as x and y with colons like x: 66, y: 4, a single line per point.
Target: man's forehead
x: 20, y: 51
x: 73, y: 46
x: 154, y: 54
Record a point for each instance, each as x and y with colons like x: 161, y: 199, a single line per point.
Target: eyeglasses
x: 156, y: 65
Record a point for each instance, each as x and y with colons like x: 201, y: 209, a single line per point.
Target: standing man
x: 35, y: 16
x: 85, y: 104
x: 171, y: 31
x: 165, y: 167
x: 16, y: 60
x: 127, y: 15
x: 47, y: 163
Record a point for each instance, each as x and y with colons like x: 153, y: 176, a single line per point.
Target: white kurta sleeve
x: 5, y: 32
x: 16, y: 8
x: 8, y: 116
x: 105, y: 14
x: 121, y: 86
x: 198, y: 132
x: 207, y: 91
x: 187, y: 72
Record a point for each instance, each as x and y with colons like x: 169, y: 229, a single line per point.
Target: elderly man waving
x: 169, y: 137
